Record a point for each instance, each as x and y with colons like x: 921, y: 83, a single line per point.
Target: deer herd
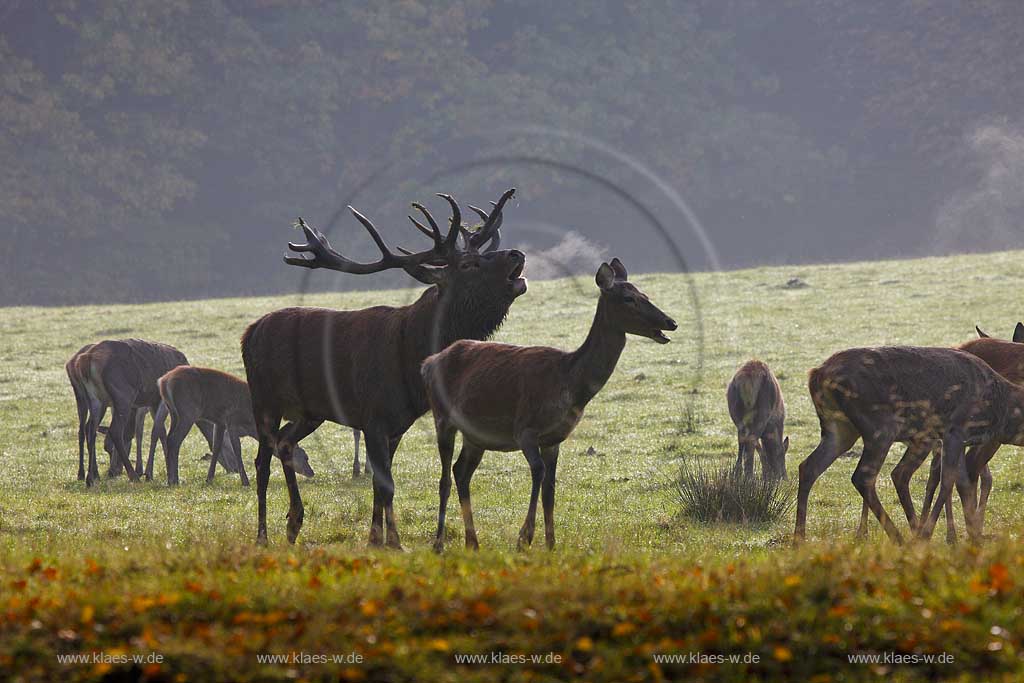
x: 379, y: 369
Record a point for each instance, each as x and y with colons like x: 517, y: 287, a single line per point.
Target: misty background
x: 160, y: 149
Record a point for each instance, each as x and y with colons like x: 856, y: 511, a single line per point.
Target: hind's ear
x: 983, y: 335
x: 619, y: 269
x: 1018, y: 333
x: 605, y: 277
x: 785, y: 445
x: 102, y: 430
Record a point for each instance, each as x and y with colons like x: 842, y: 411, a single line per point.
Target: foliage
x: 161, y: 130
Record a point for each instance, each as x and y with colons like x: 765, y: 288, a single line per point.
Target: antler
x: 324, y: 256
x: 490, y: 231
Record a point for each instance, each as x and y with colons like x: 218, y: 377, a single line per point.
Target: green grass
x: 130, y: 569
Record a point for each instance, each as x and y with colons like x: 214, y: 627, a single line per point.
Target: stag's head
x: 475, y: 282
x: 629, y: 309
x: 462, y: 263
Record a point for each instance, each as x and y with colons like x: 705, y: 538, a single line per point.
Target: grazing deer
x: 362, y: 368
x: 82, y: 404
x: 759, y: 413
x: 122, y: 375
x: 192, y: 394
x: 529, y: 398
x: 1007, y: 359
x: 916, y: 396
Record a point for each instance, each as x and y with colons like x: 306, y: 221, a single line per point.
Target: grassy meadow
x: 126, y: 573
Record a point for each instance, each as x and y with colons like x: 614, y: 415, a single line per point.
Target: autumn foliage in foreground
x: 801, y: 612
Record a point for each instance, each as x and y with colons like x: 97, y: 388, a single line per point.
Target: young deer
x: 194, y: 394
x: 529, y: 398
x: 121, y: 375
x: 916, y: 396
x: 82, y: 404
x: 759, y: 413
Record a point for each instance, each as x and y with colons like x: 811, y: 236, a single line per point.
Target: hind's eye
x: 629, y: 299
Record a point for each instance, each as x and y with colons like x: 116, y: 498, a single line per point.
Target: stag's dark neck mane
x: 466, y: 314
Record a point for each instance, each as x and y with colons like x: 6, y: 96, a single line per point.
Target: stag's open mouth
x: 660, y: 337
x: 516, y: 281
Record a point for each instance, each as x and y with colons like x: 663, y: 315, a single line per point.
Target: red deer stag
x: 529, y: 398
x: 361, y: 368
x: 759, y: 413
x: 192, y: 394
x: 916, y: 396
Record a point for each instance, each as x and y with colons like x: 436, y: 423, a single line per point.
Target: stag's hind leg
x: 836, y: 439
x: 469, y: 459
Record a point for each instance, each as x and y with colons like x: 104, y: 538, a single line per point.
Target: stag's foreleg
x: 536, y: 461
x: 355, y: 456
x: 469, y: 459
x: 289, y: 436
x: 550, y: 455
x: 140, y: 427
x: 836, y: 439
x: 445, y: 451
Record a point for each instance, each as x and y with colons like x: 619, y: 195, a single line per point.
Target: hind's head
x: 629, y: 309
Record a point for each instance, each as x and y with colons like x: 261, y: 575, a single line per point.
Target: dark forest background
x: 156, y: 149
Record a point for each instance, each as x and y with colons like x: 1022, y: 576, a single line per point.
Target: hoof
x: 294, y: 525
x: 261, y: 540
x: 376, y: 536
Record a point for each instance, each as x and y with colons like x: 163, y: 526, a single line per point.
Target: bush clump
x: 710, y: 494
